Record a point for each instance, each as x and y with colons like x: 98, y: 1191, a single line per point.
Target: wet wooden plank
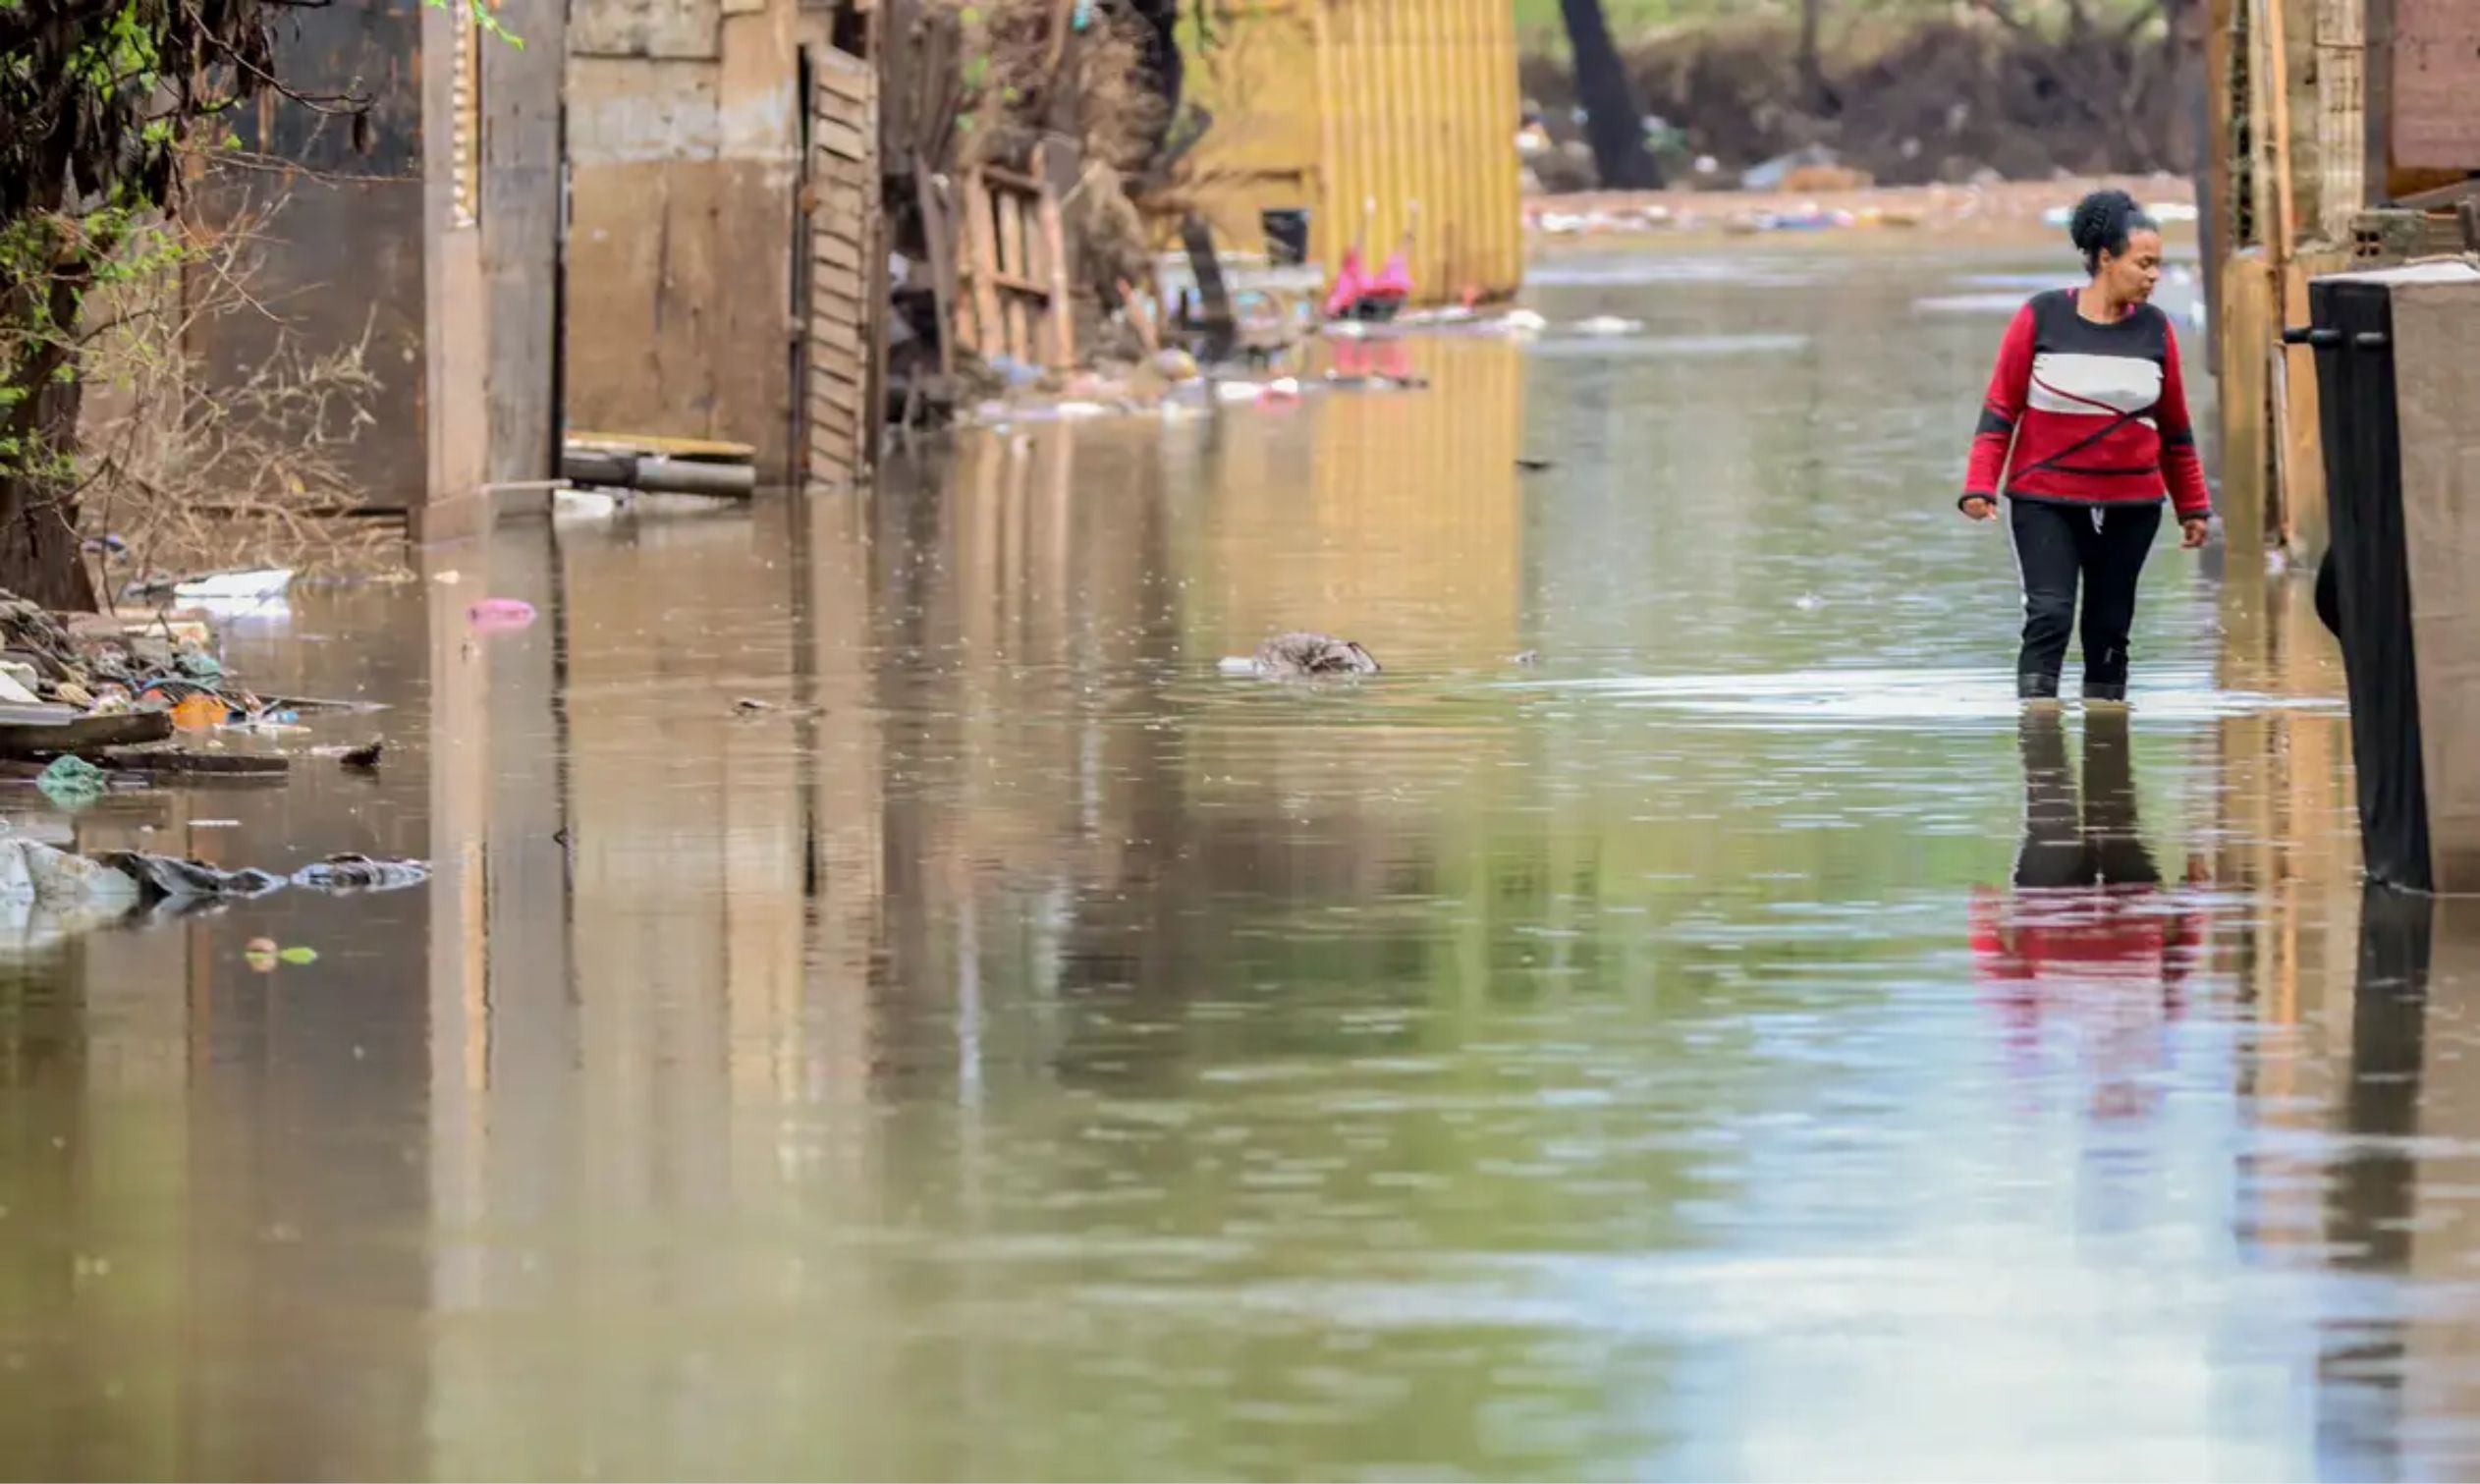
x: 39, y: 731
x: 842, y: 77
x: 844, y: 249
x: 1011, y: 210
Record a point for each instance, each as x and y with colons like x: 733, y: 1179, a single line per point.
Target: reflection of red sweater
x: 2097, y: 968
x: 2117, y: 934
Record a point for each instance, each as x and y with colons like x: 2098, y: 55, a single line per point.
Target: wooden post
x: 990, y: 335
x: 938, y: 238
x: 1011, y: 213
x: 454, y: 338
x: 2298, y: 484
x: 1060, y: 319
x: 521, y: 187
x: 2220, y: 238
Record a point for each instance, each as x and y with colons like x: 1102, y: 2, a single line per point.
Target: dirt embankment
x: 1944, y: 99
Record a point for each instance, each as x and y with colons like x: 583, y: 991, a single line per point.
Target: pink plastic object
x: 1350, y: 282
x: 500, y: 615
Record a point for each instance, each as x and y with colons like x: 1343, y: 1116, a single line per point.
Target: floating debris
x: 1288, y: 656
x: 71, y: 781
x: 351, y: 873
x: 365, y: 758
x: 169, y: 878
x: 500, y: 615
x: 256, y: 584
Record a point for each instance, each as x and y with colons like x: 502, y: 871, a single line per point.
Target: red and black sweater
x: 2092, y: 413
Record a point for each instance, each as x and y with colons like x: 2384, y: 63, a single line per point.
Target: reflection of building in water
x: 1414, y: 510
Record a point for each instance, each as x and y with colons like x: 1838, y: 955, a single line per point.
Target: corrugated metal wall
x: 1379, y: 116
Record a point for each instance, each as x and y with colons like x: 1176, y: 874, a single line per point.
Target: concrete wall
x: 341, y: 255
x: 684, y: 138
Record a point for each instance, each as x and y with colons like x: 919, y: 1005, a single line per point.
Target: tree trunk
x: 1812, y: 70
x: 39, y: 558
x: 1612, y: 122
x: 2182, y: 59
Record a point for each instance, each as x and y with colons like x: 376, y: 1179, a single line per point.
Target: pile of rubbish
x: 69, y: 686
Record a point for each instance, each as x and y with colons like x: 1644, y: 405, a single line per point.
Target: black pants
x: 2098, y: 844
x: 2055, y: 546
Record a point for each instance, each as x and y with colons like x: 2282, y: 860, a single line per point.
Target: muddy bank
x: 1943, y: 101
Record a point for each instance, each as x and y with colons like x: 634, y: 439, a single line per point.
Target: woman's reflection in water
x: 2089, y: 946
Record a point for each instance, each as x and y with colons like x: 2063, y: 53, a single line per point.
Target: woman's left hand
x: 2193, y: 531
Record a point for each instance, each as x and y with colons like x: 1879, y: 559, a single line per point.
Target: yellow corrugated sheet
x: 1378, y: 116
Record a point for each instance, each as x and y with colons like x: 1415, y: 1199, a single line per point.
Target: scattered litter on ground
x: 1533, y: 465
x: 1288, y: 656
x: 215, y: 824
x: 71, y: 781
x: 1525, y: 658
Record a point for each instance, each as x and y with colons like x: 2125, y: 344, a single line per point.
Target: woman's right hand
x: 1980, y: 507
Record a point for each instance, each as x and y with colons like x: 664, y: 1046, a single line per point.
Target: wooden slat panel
x: 829, y: 250
x: 828, y: 335
x: 842, y: 138
x: 844, y: 256
x: 843, y: 78
x: 834, y: 394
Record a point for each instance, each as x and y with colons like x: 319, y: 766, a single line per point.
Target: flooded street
x: 1022, y: 1051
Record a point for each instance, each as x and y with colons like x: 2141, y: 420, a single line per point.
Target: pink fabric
x: 1396, y: 282
x: 1349, y: 284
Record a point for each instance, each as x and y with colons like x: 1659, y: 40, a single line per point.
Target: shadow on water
x: 1014, y: 1049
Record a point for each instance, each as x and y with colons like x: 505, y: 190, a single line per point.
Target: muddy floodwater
x: 1737, y: 1043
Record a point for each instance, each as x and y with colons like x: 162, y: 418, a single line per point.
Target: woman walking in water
x: 2084, y: 431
